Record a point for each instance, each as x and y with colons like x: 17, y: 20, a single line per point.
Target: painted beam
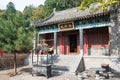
x: 77, y: 26
x: 92, y: 25
x: 48, y: 30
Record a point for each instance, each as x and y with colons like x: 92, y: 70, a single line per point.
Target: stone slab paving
x: 30, y: 77
x: 25, y: 74
x: 4, y: 77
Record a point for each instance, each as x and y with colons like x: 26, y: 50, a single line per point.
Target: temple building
x: 74, y: 32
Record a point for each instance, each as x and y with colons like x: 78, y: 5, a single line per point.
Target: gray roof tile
x: 66, y: 15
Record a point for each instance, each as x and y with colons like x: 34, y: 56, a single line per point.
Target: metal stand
x: 43, y: 69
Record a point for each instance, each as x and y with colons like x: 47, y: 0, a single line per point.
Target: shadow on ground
x: 26, y: 70
x: 54, y: 72
x: 116, y: 73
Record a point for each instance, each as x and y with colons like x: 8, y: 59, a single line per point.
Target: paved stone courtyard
x: 24, y: 73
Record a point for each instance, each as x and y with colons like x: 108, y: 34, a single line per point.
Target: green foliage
x: 65, y: 4
x: 16, y: 32
x: 42, y: 11
x: 59, y: 5
x: 28, y: 12
x: 38, y: 13
x: 2, y: 14
x: 10, y: 9
x: 102, y: 4
x: 23, y: 43
x: 49, y: 5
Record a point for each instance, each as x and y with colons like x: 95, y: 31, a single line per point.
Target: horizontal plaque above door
x: 66, y: 26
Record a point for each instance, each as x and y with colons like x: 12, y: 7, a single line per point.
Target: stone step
x: 67, y: 63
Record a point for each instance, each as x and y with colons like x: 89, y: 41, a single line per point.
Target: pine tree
x: 16, y: 34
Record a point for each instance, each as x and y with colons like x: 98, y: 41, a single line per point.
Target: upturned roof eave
x: 73, y: 19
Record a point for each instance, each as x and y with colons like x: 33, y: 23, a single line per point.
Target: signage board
x: 66, y: 26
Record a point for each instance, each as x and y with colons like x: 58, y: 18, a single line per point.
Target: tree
x: 59, y: 5
x: 10, y: 8
x: 104, y: 4
x: 28, y: 12
x: 65, y: 4
x: 2, y: 14
x: 48, y: 7
x: 38, y: 13
x: 16, y: 35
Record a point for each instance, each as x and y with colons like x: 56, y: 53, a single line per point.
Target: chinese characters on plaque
x: 66, y: 26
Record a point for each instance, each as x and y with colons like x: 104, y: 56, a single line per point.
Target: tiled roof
x: 67, y: 15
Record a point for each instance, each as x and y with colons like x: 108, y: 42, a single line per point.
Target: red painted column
x: 78, y: 45
x: 85, y: 44
x: 67, y: 44
x: 61, y: 44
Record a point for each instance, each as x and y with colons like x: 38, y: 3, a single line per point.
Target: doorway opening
x: 73, y: 43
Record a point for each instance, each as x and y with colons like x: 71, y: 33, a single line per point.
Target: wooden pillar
x: 81, y: 40
x: 55, y: 42
x: 65, y: 51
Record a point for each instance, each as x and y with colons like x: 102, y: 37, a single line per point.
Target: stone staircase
x: 66, y: 63
x: 60, y: 63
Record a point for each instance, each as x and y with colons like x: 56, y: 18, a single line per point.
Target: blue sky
x: 20, y: 4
